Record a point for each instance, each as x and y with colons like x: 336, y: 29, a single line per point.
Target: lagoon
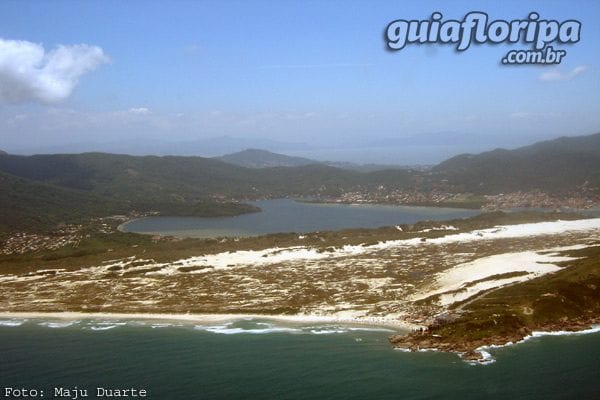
x: 287, y: 215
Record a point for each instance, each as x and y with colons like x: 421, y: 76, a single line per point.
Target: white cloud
x: 522, y: 115
x: 30, y: 74
x: 139, y: 111
x: 316, y: 66
x: 533, y: 116
x: 558, y: 75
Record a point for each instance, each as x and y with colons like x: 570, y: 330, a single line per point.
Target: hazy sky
x: 292, y: 71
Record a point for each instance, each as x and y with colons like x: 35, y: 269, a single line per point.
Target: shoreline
x: 476, y: 356
x: 481, y: 355
x: 488, y: 358
x: 477, y: 352
x: 450, y: 206
x: 212, y: 318
x: 122, y: 225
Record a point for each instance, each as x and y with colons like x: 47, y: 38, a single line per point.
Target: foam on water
x: 332, y: 329
x: 257, y: 328
x: 163, y: 325
x: 327, y: 331
x: 243, y: 325
x: 12, y: 322
x: 488, y: 358
x: 249, y: 326
x: 183, y: 363
x: 102, y: 328
x: 593, y: 329
x: 62, y: 324
x: 104, y: 325
x: 372, y: 329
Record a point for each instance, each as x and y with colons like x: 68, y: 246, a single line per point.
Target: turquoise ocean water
x: 267, y: 360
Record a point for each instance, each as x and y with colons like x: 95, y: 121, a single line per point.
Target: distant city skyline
x: 128, y: 76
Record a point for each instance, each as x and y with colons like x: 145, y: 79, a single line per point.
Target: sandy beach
x: 211, y: 318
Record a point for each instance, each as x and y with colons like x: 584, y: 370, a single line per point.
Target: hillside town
x: 23, y: 242
x: 530, y: 199
x: 72, y: 234
x: 65, y: 234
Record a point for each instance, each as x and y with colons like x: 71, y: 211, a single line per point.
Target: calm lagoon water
x: 286, y: 215
x: 246, y: 361
x: 259, y: 359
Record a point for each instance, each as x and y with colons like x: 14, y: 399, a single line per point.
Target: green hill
x: 151, y: 179
x: 254, y: 158
x: 32, y: 206
x: 53, y: 188
x: 43, y: 190
x: 556, y: 166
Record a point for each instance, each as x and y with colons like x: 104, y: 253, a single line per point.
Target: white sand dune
x: 301, y: 254
x: 468, y: 279
x: 277, y: 255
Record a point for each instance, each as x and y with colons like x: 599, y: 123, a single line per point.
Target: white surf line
x: 488, y: 358
x: 210, y: 318
x: 456, y: 284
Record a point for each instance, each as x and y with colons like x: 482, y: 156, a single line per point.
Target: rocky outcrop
x: 469, y: 348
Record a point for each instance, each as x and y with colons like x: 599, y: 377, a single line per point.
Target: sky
x: 309, y: 77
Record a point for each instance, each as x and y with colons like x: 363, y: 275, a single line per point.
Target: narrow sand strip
x: 211, y: 318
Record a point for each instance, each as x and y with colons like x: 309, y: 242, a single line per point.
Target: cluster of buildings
x: 65, y: 235
x: 529, y: 199
x: 19, y: 243
x: 538, y: 199
x: 397, y: 197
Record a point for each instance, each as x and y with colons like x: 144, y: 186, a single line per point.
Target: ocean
x: 262, y: 359
x: 286, y: 215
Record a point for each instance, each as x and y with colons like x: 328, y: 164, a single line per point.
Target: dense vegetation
x: 556, y: 166
x: 254, y: 158
x: 25, y: 204
x: 565, y: 300
x: 153, y: 179
x: 46, y: 189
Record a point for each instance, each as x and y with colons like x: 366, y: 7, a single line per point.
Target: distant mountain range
x: 450, y: 138
x: 206, y: 147
x: 255, y: 158
x: 559, y: 165
x: 423, y: 148
x: 38, y: 191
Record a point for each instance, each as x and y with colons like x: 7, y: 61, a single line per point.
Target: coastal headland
x: 456, y: 286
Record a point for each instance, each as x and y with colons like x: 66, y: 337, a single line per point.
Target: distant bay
x: 286, y: 215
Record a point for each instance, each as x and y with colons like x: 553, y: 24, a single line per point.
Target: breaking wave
x: 233, y: 327
x: 12, y: 322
